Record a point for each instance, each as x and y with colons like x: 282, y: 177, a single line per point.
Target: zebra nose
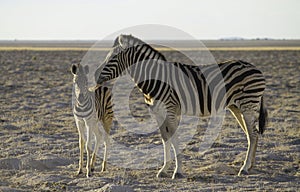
x: 80, y: 97
x: 94, y: 88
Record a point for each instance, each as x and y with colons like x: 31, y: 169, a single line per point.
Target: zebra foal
x: 91, y: 108
x: 190, y: 90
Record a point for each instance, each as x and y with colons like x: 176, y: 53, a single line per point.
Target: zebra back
x: 212, y: 87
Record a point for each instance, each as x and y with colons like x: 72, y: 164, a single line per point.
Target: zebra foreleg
x: 178, y: 161
x: 170, y: 138
x: 160, y: 117
x: 252, y: 137
x: 81, y: 149
x: 167, y: 158
x: 90, y: 124
x: 173, y: 121
x: 80, y: 127
x: 107, y: 124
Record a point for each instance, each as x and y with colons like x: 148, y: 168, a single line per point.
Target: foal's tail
x: 263, y: 117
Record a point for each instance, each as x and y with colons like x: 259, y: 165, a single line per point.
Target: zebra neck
x: 141, y: 54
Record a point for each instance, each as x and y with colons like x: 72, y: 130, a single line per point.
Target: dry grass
x: 39, y: 149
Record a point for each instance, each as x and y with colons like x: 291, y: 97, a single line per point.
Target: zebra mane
x: 127, y: 41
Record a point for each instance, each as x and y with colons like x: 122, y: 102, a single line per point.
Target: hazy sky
x: 204, y: 19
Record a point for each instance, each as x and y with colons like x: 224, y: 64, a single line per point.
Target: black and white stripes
x: 190, y: 90
x: 91, y: 108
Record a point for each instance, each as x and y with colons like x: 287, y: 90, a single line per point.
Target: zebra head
x: 117, y: 60
x: 127, y: 50
x: 80, y: 80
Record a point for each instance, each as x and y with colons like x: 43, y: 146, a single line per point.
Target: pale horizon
x: 94, y: 20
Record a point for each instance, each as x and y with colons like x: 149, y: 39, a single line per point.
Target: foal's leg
x: 90, y: 126
x: 98, y: 141
x: 80, y: 127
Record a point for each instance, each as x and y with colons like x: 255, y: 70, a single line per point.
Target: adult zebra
x: 190, y: 90
x: 91, y: 108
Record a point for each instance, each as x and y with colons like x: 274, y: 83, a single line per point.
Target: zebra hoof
x: 79, y: 172
x: 103, y: 166
x: 177, y: 176
x: 161, y: 174
x: 243, y: 172
x: 88, y: 175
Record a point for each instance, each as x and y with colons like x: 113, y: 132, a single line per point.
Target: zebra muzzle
x: 94, y: 88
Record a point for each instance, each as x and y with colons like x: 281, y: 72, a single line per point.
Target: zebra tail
x: 263, y: 117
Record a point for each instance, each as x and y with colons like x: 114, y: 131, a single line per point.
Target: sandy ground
x: 39, y: 145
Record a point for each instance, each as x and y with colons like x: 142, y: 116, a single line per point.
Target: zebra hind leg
x: 251, y: 122
x: 238, y: 116
x: 104, y: 162
x: 98, y: 138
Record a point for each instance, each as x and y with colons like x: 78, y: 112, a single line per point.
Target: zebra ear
x: 122, y: 41
x: 73, y: 69
x: 86, y: 69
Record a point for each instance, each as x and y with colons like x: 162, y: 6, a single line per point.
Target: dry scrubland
x: 39, y: 149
